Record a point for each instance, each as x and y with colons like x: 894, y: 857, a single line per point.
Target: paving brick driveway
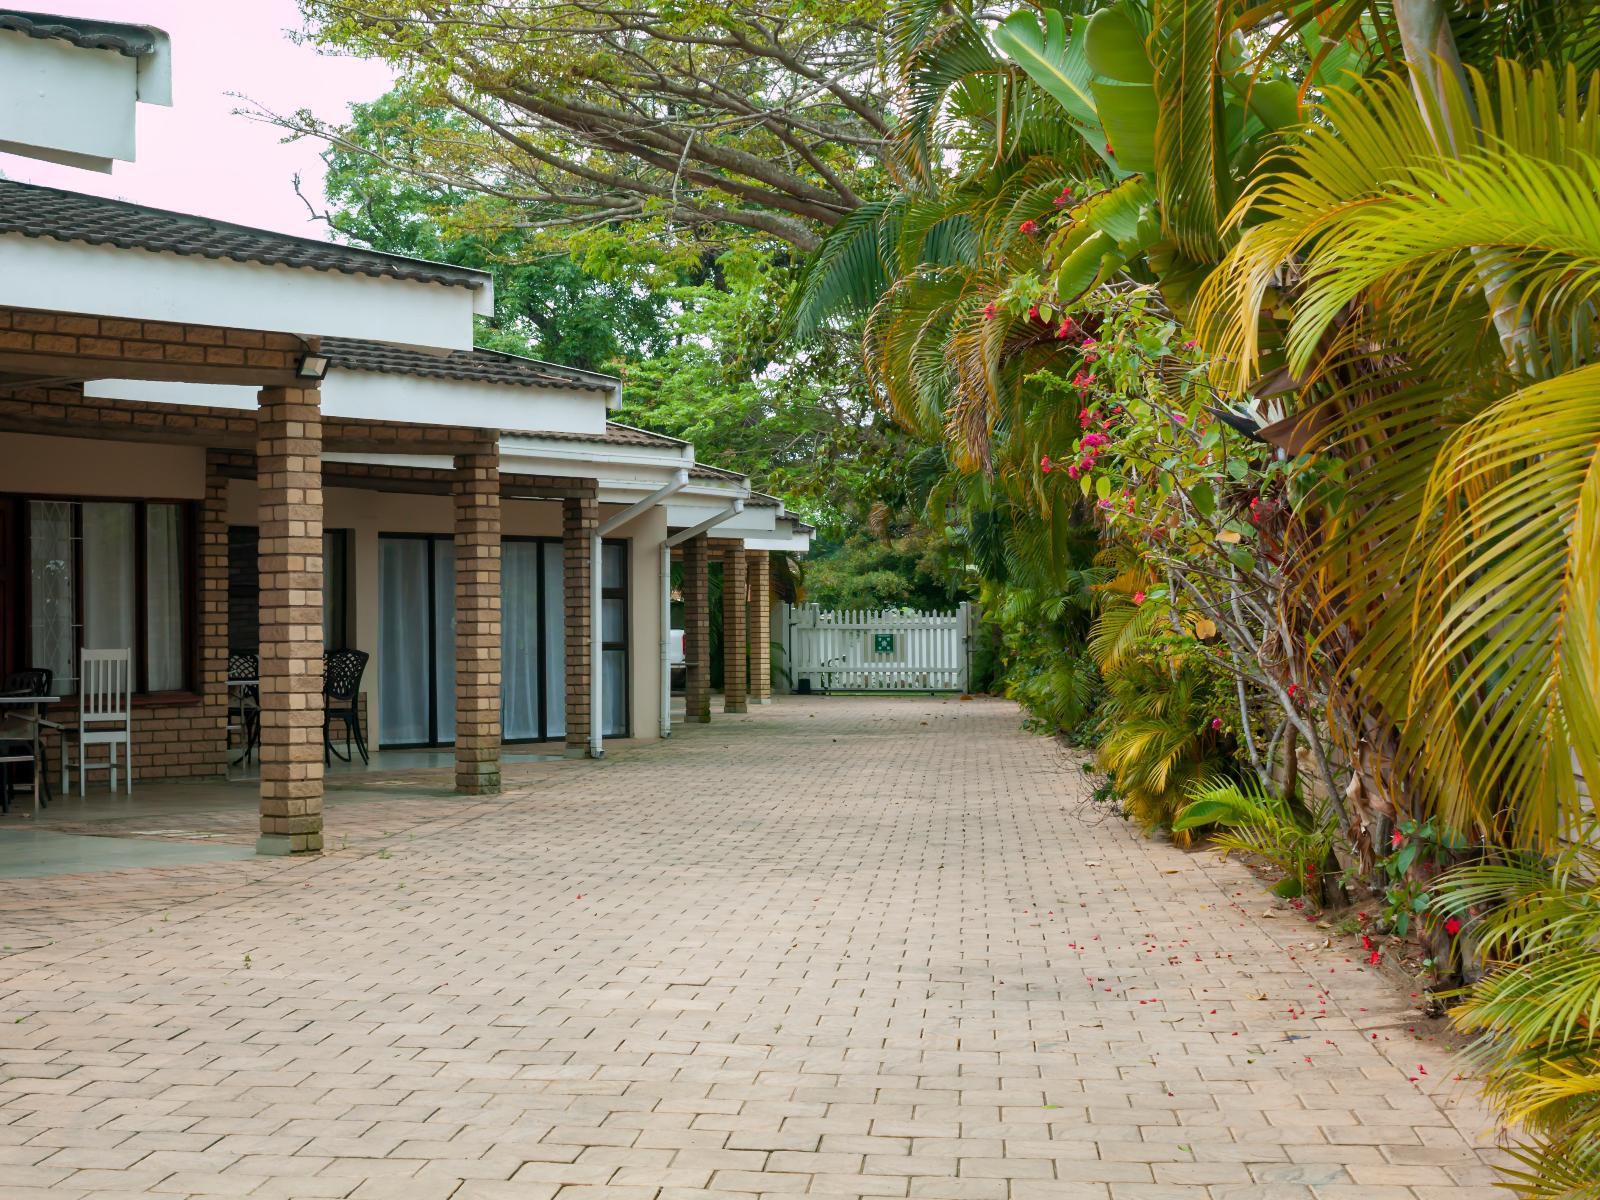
x: 837, y: 948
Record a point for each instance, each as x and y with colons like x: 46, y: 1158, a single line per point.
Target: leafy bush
x: 1254, y: 820
x: 1537, y: 1013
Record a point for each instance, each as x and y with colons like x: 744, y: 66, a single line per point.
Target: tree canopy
x: 687, y: 121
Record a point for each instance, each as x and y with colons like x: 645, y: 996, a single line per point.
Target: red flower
x: 1138, y: 597
x: 1029, y: 226
x: 1453, y: 926
x: 1033, y: 312
x: 1376, y: 958
x: 1046, y: 465
x: 1216, y: 722
x: 990, y: 310
x: 1109, y: 150
x: 1065, y: 198
x: 1397, y: 839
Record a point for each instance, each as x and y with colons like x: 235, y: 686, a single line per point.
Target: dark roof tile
x: 36, y: 211
x: 131, y: 41
x: 476, y: 366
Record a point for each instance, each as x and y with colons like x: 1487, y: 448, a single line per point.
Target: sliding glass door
x: 416, y: 581
x: 533, y: 656
x: 416, y: 640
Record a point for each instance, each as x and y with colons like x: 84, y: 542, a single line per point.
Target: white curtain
x: 403, y: 641
x: 555, y: 642
x: 164, y: 597
x: 614, y: 685
x: 519, y: 651
x: 108, y: 578
x: 52, y: 636
x: 444, y: 611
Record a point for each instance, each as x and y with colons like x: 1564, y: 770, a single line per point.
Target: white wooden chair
x: 105, y: 715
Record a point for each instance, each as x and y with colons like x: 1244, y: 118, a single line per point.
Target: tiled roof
x: 475, y: 366
x: 618, y: 435
x: 43, y: 212
x: 132, y: 41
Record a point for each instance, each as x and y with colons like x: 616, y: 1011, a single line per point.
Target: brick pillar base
x: 476, y: 489
x: 760, y: 609
x: 214, y: 613
x: 289, y: 499
x: 735, y: 631
x: 580, y: 518
x: 697, y: 630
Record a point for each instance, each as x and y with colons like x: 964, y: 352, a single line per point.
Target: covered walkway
x: 835, y: 947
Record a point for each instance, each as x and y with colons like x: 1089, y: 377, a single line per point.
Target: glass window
x: 163, y: 606
x: 109, y: 575
x: 335, y: 589
x: 52, y: 607
x: 614, y: 639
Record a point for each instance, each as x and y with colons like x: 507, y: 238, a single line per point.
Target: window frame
x: 19, y: 642
x: 625, y: 645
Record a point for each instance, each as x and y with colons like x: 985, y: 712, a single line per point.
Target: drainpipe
x: 683, y: 535
x: 680, y: 479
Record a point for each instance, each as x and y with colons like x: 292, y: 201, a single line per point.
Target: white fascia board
x: 155, y: 70
x: 791, y: 543
x: 684, y: 511
x: 65, y: 100
x: 534, y: 455
x: 140, y: 285
x: 427, y: 400
x: 414, y: 399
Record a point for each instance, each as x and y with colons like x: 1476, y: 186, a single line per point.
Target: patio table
x: 37, y: 703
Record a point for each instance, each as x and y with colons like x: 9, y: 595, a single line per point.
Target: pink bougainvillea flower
x: 1046, y: 465
x: 1029, y: 226
x: 990, y: 311
x: 1072, y: 471
x: 1138, y: 597
x: 1065, y: 198
x: 1453, y: 926
x: 1216, y: 722
x: 1033, y: 312
x: 1191, y: 344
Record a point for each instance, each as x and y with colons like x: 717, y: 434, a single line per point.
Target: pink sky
x: 197, y: 156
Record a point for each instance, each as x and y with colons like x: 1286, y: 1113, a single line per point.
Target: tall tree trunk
x: 1445, y: 97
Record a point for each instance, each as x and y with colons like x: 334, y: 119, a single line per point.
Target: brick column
x: 696, y: 630
x: 735, y: 630
x: 289, y: 499
x: 580, y: 517
x: 760, y: 626
x: 476, y: 490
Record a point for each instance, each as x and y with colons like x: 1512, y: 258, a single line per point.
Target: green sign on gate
x: 883, y: 643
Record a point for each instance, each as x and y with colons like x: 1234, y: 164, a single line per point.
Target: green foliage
x: 1252, y: 819
x: 658, y: 130
x: 1165, y: 713
x: 793, y: 416
x: 546, y: 304
x: 1536, y: 1014
x: 865, y: 572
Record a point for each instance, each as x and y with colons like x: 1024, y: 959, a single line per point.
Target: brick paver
x: 832, y: 948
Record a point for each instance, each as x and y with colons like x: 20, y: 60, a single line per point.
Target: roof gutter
x: 679, y: 480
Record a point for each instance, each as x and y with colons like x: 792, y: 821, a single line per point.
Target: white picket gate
x: 889, y: 651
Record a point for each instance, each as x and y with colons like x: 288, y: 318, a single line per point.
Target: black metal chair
x: 31, y: 681
x: 244, y: 703
x: 341, y: 690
